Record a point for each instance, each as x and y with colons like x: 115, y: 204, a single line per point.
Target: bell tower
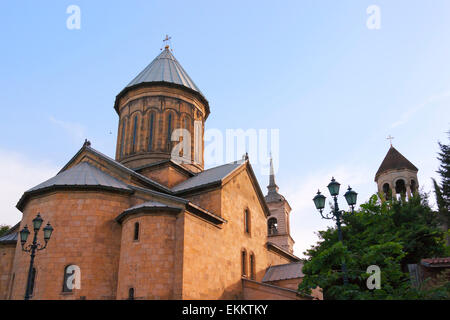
x: 162, y: 115
x: 396, y: 175
x: 278, y: 227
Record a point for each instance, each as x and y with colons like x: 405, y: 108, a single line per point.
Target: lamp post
x: 31, y: 248
x: 336, y: 214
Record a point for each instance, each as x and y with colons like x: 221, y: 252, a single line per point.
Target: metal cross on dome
x: 166, y: 41
x: 390, y: 138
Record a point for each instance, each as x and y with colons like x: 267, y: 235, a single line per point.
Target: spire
x: 272, y: 187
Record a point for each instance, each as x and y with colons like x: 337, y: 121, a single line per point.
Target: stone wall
x: 7, y: 252
x: 148, y: 265
x: 85, y: 234
x: 212, y: 256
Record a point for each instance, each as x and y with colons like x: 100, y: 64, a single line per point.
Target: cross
x: 390, y: 138
x: 166, y: 41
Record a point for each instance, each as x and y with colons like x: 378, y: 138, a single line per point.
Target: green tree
x: 442, y: 191
x: 4, y: 229
x: 389, y: 234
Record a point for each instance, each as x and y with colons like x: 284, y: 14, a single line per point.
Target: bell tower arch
x: 396, y: 175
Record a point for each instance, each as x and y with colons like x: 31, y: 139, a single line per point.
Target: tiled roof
x: 395, y: 160
x: 207, y: 177
x: 151, y: 204
x: 119, y: 166
x: 165, y: 68
x: 11, y: 235
x: 436, y: 262
x: 284, y: 272
x: 82, y: 174
x: 146, y: 205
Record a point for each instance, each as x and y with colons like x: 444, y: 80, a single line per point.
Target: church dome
x: 167, y: 71
x: 165, y: 68
x: 394, y: 160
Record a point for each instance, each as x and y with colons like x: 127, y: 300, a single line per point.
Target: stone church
x: 144, y: 226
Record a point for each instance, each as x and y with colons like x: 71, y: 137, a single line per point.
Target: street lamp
x: 336, y: 214
x: 31, y: 248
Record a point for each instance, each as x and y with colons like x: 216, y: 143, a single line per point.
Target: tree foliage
x: 389, y: 234
x: 442, y: 190
x: 3, y: 229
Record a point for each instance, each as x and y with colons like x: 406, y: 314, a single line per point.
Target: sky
x: 318, y: 71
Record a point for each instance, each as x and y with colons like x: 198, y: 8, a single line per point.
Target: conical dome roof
x: 165, y: 68
x: 394, y: 160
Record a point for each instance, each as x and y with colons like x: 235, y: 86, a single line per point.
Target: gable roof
x: 83, y: 175
x: 284, y: 272
x: 394, y: 160
x: 146, y: 181
x: 208, y: 177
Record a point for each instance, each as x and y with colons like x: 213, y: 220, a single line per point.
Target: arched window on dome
x: 135, y: 133
x: 169, y: 129
x: 122, y: 137
x: 272, y: 226
x: 150, y: 131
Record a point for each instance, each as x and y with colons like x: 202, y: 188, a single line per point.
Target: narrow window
x: 244, y: 263
x: 122, y: 138
x: 169, y: 129
x: 150, y: 129
x: 33, y: 278
x: 247, y: 221
x: 252, y: 266
x: 134, y: 132
x: 272, y: 226
x: 136, y: 231
x: 131, y: 294
x: 66, y: 278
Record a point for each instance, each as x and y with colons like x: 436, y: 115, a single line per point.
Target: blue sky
x: 312, y: 69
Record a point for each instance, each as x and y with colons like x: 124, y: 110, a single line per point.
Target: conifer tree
x: 442, y: 190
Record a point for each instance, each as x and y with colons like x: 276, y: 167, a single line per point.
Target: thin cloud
x: 18, y: 174
x: 76, y: 131
x: 406, y: 116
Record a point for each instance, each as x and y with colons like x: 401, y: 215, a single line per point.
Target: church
x: 148, y: 226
